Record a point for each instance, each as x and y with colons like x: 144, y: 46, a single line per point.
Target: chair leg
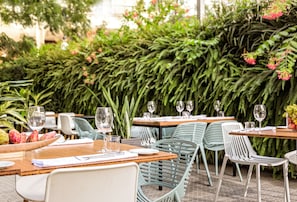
x: 205, y: 165
x: 258, y: 181
x: 249, y: 175
x: 216, y: 163
x: 197, y: 163
x: 239, y: 172
x: 286, y: 182
x: 221, y: 177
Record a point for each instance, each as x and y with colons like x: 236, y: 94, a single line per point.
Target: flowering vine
x: 283, y: 58
x: 276, y: 9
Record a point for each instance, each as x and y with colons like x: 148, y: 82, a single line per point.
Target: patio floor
x: 198, y: 190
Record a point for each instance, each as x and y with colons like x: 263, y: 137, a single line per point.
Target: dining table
x: 24, y: 165
x: 268, y: 132
x: 172, y: 121
x: 272, y: 132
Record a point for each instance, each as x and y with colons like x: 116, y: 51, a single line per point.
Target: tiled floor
x: 198, y: 189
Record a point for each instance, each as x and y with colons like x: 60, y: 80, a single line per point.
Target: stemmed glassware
x: 259, y: 113
x: 104, y: 122
x: 217, y: 106
x: 189, y: 106
x: 36, y: 117
x: 180, y: 106
x: 151, y: 107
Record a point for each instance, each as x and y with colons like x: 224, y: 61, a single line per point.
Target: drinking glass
x: 180, y: 106
x: 151, y: 107
x: 36, y: 117
x: 104, y: 122
x: 189, y: 106
x: 217, y: 106
x: 260, y: 113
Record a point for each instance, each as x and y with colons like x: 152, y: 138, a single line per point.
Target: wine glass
x: 151, y: 107
x: 189, y: 106
x: 217, y: 105
x: 180, y: 106
x: 36, y: 117
x: 260, y: 113
x: 104, y: 123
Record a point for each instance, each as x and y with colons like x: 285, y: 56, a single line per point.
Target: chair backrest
x: 66, y: 122
x: 50, y: 120
x: 213, y: 135
x: 173, y: 173
x: 85, y: 129
x: 236, y: 147
x: 144, y: 134
x: 193, y: 131
x: 112, y: 183
x: 59, y: 119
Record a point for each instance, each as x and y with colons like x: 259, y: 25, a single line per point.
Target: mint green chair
x: 173, y: 174
x: 85, y: 130
x: 194, y: 132
x: 213, y: 141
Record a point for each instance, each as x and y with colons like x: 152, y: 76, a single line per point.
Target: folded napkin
x: 82, y: 159
x: 266, y: 128
x: 69, y: 142
x: 217, y: 117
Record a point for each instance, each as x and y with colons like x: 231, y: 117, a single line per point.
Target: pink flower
x: 271, y: 66
x: 251, y: 61
x: 285, y: 76
x: 154, y: 2
x: 74, y: 52
x: 89, y: 59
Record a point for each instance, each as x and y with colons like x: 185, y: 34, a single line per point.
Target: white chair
x: 112, y: 183
x: 238, y: 149
x: 50, y: 121
x: 66, y: 127
x: 72, y: 125
x: 292, y: 157
x: 213, y: 141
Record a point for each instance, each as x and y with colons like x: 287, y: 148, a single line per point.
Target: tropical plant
x: 11, y: 108
x: 124, y: 110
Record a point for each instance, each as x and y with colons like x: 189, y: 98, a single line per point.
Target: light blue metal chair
x: 85, y: 130
x: 213, y: 141
x: 173, y: 174
x: 194, y: 132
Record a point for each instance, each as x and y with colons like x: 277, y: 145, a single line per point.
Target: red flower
x: 154, y: 2
x: 251, y: 61
x: 271, y: 66
x: 284, y: 75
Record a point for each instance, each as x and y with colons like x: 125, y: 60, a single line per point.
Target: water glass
x: 189, y: 106
x: 113, y: 143
x: 151, y: 107
x: 180, y: 106
x: 36, y: 117
x: 217, y: 106
x: 259, y: 113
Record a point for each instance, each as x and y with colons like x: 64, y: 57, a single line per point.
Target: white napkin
x: 75, y: 141
x: 266, y: 128
x: 82, y: 159
x: 217, y: 117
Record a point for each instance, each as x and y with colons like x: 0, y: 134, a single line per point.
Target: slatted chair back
x: 173, y: 174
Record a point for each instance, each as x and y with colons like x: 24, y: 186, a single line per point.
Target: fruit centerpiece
x: 16, y: 141
x: 291, y: 114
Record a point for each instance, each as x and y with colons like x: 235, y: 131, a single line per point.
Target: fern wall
x: 176, y: 60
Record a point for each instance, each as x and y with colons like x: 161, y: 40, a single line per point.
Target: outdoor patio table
x: 23, y: 165
x: 163, y: 122
x: 268, y: 132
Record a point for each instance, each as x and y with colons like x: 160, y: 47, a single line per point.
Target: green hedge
x: 177, y: 60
